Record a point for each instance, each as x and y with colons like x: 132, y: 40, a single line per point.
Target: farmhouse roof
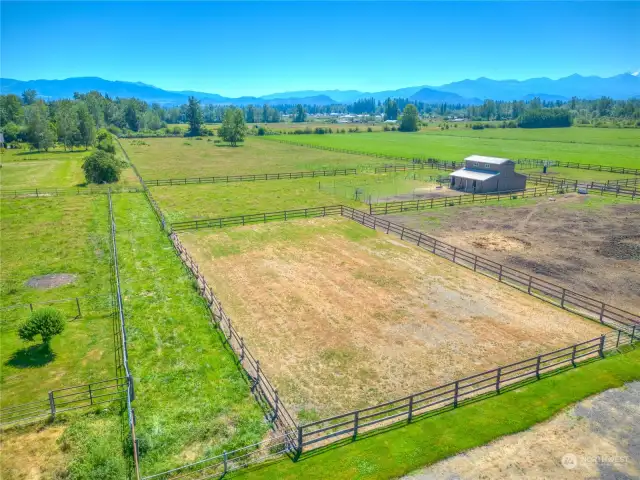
x: 471, y: 174
x: 491, y: 160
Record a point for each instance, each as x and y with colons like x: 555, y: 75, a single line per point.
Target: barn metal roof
x: 481, y: 175
x: 492, y: 160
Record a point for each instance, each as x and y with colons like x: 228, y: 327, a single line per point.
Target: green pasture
x: 190, y: 202
x: 48, y: 236
x: 401, y: 449
x: 456, y: 147
x: 160, y: 158
x: 57, y: 168
x: 191, y: 399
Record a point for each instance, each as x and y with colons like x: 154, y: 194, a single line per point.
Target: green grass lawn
x: 25, y: 169
x: 48, y: 236
x: 191, y: 400
x: 405, y: 448
x: 458, y: 146
x: 158, y: 158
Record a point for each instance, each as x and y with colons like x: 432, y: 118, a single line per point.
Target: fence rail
x: 453, y: 394
x: 57, y: 192
x: 582, y: 166
x: 555, y: 294
x: 263, y: 390
x: 256, y: 218
x: 252, y: 177
x: 64, y: 400
x: 618, y: 188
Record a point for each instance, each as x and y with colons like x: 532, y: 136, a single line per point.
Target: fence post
x: 498, y: 379
x: 52, y: 405
x: 355, y: 424
x: 224, y: 455
x: 529, y: 287
x: 573, y: 356
x: 78, y: 305
x: 455, y: 394
x: 564, y: 292
x: 241, y: 349
x: 410, y: 417
x: 538, y: 361
x: 475, y: 263
x: 618, y: 340
x: 275, y: 413
x: 299, y: 449
x: 601, y: 350
x: 500, y: 274
x: 31, y: 306
x: 257, y: 380
x: 633, y: 334
x: 454, y: 254
x: 602, y: 311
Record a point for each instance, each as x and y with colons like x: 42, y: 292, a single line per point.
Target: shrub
x: 369, y: 129
x: 105, y: 141
x: 102, y: 167
x: 477, y: 126
x: 261, y: 131
x: 45, y: 322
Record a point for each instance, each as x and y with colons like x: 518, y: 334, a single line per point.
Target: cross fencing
x: 64, y: 400
x: 130, y: 395
x: 248, y: 219
x: 262, y: 389
x: 582, y: 166
x: 59, y: 192
x: 456, y: 393
x: 252, y: 177
x: 625, y: 187
x: 552, y: 293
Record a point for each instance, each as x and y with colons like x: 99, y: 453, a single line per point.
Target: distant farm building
x: 487, y: 174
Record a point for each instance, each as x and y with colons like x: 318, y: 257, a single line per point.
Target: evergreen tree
x: 194, y: 116
x: 86, y: 126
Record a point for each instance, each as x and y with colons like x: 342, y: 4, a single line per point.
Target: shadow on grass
x: 34, y: 356
x: 227, y: 145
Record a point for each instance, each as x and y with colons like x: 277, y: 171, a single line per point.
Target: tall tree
x: 391, y: 109
x: 10, y: 109
x: 29, y: 96
x: 300, y: 115
x: 410, y: 119
x: 66, y: 123
x: 233, y: 128
x: 194, y: 116
x: 40, y: 132
x: 86, y: 125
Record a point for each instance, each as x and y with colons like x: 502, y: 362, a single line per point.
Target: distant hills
x: 622, y: 86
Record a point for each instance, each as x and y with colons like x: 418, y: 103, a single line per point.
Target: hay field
x: 342, y: 317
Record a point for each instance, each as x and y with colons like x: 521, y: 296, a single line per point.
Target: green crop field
x: 192, y: 202
x: 570, y: 144
x: 189, y: 157
x: 55, y: 236
x: 192, y: 401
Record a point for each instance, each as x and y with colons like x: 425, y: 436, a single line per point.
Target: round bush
x: 45, y: 322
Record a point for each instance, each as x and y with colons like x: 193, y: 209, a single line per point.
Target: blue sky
x: 235, y: 48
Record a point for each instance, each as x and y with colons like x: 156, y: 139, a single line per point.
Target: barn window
x: 486, y: 165
x: 476, y: 164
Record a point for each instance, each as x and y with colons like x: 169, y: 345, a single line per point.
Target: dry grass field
x: 342, y: 317
x: 587, y: 243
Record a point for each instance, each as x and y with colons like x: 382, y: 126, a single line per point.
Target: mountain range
x: 622, y: 86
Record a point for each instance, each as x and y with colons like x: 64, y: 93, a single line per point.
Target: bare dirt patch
x: 599, y: 434
x: 341, y: 320
x: 592, y: 248
x: 499, y: 243
x: 52, y: 280
x: 32, y: 453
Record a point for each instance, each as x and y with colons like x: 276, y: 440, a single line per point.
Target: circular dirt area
x: 51, y: 280
x: 623, y: 247
x: 499, y: 243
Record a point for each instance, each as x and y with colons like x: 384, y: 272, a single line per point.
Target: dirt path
x: 597, y: 438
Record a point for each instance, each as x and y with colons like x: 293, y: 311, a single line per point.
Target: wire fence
x: 130, y: 395
x: 252, y: 177
x: 59, y: 192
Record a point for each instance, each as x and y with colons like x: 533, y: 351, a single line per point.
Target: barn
x: 482, y: 174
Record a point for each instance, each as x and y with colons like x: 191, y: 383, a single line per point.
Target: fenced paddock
x: 340, y: 315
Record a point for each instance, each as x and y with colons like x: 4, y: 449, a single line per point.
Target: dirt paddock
x: 342, y: 317
x: 587, y: 244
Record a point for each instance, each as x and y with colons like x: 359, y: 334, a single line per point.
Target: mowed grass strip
x: 457, y: 147
x: 190, y: 202
x: 405, y: 448
x: 53, y: 236
x: 161, y: 158
x: 191, y: 399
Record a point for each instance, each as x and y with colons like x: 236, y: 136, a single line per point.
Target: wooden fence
x: 610, y: 188
x: 252, y: 177
x: 439, y: 165
x: 555, y: 294
x: 454, y: 394
x: 65, y: 400
x: 262, y: 389
x: 256, y: 218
